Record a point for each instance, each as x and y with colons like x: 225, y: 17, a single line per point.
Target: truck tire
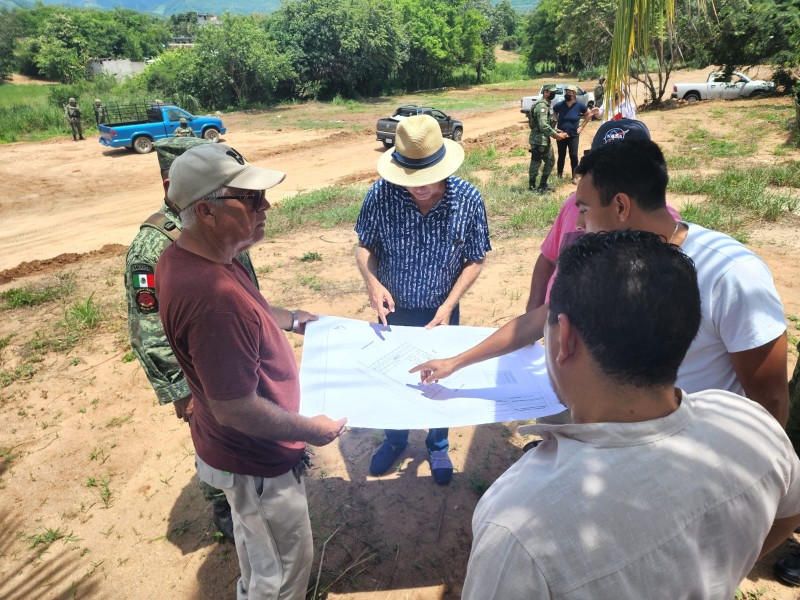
x: 457, y: 133
x: 388, y: 143
x: 691, y: 97
x: 142, y: 145
x: 211, y: 134
x: 757, y: 94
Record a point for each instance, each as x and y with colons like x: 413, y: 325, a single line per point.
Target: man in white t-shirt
x: 741, y: 346
x: 650, y: 488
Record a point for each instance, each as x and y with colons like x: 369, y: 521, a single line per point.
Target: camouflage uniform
x: 73, y: 114
x: 100, y: 113
x: 599, y: 94
x: 542, y: 129
x: 147, y: 337
x: 183, y: 130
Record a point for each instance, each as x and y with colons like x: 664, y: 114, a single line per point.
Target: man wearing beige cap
x: 248, y: 436
x: 423, y: 238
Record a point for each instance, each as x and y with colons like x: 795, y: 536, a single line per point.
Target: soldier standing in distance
x: 183, y: 130
x: 100, y: 112
x: 541, y: 132
x: 73, y: 114
x: 599, y: 92
x: 147, y: 336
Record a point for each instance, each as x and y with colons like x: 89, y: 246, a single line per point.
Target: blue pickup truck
x: 137, y: 126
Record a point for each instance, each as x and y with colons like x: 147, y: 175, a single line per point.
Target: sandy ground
x: 86, y: 420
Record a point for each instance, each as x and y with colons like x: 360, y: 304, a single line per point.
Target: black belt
x: 302, y: 466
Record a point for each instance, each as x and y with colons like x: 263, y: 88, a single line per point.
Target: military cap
x: 550, y: 87
x: 170, y: 148
x: 70, y: 100
x: 182, y: 120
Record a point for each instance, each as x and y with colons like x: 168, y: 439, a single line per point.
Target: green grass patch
x: 681, y: 161
x: 33, y: 295
x: 478, y: 160
x: 22, y: 94
x: 327, y: 207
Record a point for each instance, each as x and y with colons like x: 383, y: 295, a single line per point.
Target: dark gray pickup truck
x: 386, y: 128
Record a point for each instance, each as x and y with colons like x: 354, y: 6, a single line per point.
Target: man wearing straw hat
x: 423, y: 237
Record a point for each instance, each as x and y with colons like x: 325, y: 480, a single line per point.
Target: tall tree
x: 9, y: 31
x: 346, y: 47
x: 237, y: 62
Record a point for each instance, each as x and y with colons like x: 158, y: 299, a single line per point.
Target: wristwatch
x: 295, y: 322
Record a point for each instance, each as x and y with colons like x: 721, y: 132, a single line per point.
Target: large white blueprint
x: 359, y: 370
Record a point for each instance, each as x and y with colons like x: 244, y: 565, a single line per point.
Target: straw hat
x: 420, y: 155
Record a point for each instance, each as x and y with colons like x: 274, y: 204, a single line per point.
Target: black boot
x: 787, y: 569
x: 223, y: 519
x: 532, y: 184
x: 544, y: 188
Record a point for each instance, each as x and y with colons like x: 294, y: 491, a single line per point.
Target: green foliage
x: 344, y: 47
x: 9, y: 31
x: 33, y: 295
x: 240, y: 63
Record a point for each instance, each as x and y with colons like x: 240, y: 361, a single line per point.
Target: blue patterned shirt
x: 421, y: 256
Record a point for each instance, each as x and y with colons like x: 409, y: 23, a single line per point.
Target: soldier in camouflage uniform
x: 542, y: 130
x: 73, y: 113
x: 599, y: 92
x: 147, y: 336
x: 183, y: 130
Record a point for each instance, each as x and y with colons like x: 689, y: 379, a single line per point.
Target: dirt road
x: 78, y: 196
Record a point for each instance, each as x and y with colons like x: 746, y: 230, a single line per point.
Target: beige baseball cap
x: 208, y: 167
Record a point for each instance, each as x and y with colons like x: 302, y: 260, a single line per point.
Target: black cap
x: 620, y: 129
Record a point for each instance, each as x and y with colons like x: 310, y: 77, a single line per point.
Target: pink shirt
x: 563, y: 233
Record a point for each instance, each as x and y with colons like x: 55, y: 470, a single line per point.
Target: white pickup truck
x: 719, y: 86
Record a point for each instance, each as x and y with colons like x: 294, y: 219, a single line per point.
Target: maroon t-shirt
x: 228, y: 344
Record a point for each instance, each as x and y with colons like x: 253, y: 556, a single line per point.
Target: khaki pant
x: 272, y: 530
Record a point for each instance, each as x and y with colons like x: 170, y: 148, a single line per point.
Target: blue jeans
x: 419, y: 317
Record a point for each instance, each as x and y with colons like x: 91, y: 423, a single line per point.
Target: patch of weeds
x: 726, y: 149
x: 326, y: 207
x: 750, y: 595
x: 180, y: 528
x: 21, y: 373
x: 5, y: 341
x: 33, y: 295
x: 120, y: 421
x: 128, y: 357
x: 506, y: 433
x: 103, y: 486
x: 45, y: 539
x: 84, y: 314
x: 478, y: 160
x: 478, y: 485
x: 311, y: 257
x: 699, y: 135
x: 681, y: 161
x: 311, y: 282
x: 7, y: 456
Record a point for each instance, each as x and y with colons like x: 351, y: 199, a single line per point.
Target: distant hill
x: 214, y: 7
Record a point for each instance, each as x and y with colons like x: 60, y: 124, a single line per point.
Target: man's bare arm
x: 380, y: 299
x: 258, y: 417
x: 465, y: 280
x: 512, y: 336
x: 762, y: 373
x: 542, y: 272
x: 781, y: 529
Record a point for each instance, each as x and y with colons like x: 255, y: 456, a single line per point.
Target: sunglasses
x: 255, y: 199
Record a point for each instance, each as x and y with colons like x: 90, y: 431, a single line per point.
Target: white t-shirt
x: 676, y: 507
x: 741, y: 309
